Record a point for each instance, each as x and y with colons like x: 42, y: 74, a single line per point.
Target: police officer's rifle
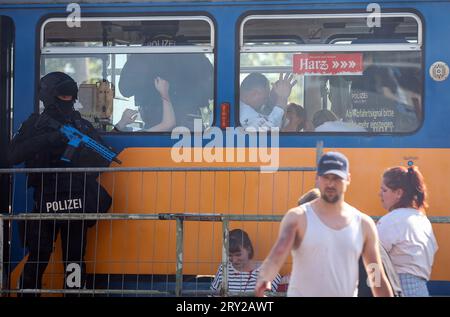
x: 76, y: 139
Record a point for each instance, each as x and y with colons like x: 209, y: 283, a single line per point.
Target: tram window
x: 359, y: 89
x: 103, y: 99
x: 116, y: 68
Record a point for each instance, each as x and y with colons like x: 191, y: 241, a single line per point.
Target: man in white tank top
x: 326, y: 237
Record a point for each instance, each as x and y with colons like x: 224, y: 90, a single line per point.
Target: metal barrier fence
x: 227, y: 189
x: 180, y: 220
x: 247, y: 184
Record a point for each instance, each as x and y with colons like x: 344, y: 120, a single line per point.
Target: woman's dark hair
x: 240, y: 239
x: 300, y: 112
x: 411, y: 181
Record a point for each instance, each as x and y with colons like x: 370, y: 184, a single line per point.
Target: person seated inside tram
x: 255, y: 93
x: 295, y: 119
x: 168, y: 117
x: 191, y: 78
x: 379, y: 88
x: 243, y: 270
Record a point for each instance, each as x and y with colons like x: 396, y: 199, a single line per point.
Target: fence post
x: 225, y: 246
x: 179, y: 274
x: 319, y: 151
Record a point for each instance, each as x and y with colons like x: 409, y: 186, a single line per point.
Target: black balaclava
x: 58, y: 84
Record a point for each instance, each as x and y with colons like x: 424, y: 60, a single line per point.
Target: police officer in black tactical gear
x: 41, y: 146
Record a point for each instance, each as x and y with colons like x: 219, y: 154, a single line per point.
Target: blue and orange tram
x: 382, y: 68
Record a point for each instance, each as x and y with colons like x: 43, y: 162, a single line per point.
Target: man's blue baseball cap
x: 333, y: 163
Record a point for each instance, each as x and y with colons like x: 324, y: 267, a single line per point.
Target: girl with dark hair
x: 405, y: 232
x: 242, y: 269
x: 295, y: 119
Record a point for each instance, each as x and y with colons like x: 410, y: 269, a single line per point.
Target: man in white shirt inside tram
x: 255, y: 92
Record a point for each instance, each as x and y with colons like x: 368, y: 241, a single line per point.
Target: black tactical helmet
x: 56, y: 84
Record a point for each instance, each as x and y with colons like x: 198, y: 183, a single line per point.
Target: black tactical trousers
x: 39, y: 239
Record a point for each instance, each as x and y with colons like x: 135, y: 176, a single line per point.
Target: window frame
x: 73, y: 51
x: 337, y: 48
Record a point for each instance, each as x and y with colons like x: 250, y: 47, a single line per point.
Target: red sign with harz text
x: 328, y: 64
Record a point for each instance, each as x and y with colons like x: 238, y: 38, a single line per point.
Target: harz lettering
x: 307, y: 64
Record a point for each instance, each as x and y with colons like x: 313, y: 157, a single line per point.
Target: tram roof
x: 119, y: 1
x: 162, y: 1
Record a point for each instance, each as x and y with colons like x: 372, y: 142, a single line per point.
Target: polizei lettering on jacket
x: 62, y: 205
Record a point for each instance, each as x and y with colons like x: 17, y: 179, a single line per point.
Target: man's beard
x: 332, y: 200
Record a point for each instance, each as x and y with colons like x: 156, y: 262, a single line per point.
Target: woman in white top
x: 405, y: 232
x: 243, y: 271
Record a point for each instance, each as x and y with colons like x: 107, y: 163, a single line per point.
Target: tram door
x: 6, y: 45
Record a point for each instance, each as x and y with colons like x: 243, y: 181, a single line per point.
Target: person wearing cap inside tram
x: 326, y: 237
x: 40, y: 145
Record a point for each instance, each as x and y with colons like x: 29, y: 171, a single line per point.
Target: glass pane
x: 127, y: 33
x: 295, y: 31
x: 387, y: 97
x: 384, y: 95
x: 259, y: 106
x: 120, y: 89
